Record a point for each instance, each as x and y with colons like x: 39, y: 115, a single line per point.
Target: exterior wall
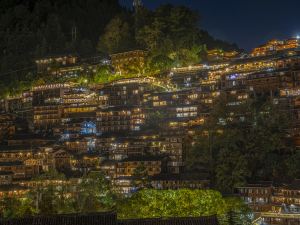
x: 128, y: 168
x: 120, y: 120
x: 120, y: 61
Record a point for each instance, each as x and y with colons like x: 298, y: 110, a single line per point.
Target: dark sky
x: 246, y: 22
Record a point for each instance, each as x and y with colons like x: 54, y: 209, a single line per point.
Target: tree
x: 155, y: 119
x: 243, y: 142
x: 171, y: 203
x: 54, y: 34
x: 177, y: 26
x: 117, y: 37
x: 26, y: 208
x: 51, y: 198
x: 237, y: 212
x: 292, y: 164
x: 9, y: 207
x: 32, y: 29
x: 86, y: 47
x: 13, y: 207
x: 94, y: 194
x: 102, y: 75
x: 141, y: 178
x: 198, y: 157
x: 160, y: 63
x: 269, y: 142
x: 54, y: 194
x: 231, y: 166
x: 187, y: 57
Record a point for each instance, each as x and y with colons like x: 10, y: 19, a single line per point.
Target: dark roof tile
x: 209, y: 220
x: 12, y: 163
x: 109, y: 219
x: 72, y: 219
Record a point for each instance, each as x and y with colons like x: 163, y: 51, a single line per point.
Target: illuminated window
x: 88, y: 128
x: 193, y: 96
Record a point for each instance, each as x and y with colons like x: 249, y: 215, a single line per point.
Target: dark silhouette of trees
x: 244, y: 143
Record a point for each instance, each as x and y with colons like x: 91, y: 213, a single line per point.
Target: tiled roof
x: 143, y: 158
x: 181, y: 176
x: 295, y: 185
x: 3, y: 173
x: 12, y: 187
x: 7, y: 148
x: 209, y: 220
x: 29, y: 136
x: 109, y: 219
x: 72, y: 219
x: 12, y: 163
x: 262, y: 184
x: 119, y: 108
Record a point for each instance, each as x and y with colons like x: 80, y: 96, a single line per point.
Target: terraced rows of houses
x: 137, y: 122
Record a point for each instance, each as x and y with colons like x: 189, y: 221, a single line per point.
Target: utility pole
x: 137, y: 4
x: 74, y: 33
x: 138, y: 18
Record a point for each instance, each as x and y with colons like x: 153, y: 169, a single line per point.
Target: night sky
x: 246, y: 22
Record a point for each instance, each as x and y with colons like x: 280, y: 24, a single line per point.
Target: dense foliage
x: 180, y: 203
x: 55, y: 194
x: 171, y: 34
x: 245, y: 143
x: 33, y: 29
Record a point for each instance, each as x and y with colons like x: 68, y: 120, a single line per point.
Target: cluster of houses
x: 137, y: 123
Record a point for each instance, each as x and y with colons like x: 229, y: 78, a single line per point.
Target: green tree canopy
x: 244, y: 142
x: 94, y: 194
x: 118, y: 37
x: 141, y: 178
x: 151, y: 203
x: 13, y: 207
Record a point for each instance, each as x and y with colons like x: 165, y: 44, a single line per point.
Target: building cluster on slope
x: 138, y: 123
x: 274, y: 204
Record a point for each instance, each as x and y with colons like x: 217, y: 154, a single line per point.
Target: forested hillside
x: 37, y: 28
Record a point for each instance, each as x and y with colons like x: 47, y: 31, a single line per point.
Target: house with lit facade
x: 165, y: 181
x: 104, y: 127
x: 124, y: 61
x: 273, y: 204
x: 85, y: 162
x: 274, y: 46
x: 188, y: 77
x: 177, y: 110
x: 117, y: 147
x: 7, y: 126
x: 125, y: 92
x: 81, y: 144
x: 79, y: 106
x: 67, y: 65
x: 19, y: 105
x: 220, y: 55
x: 120, y: 119
x: 150, y: 164
x: 47, y: 106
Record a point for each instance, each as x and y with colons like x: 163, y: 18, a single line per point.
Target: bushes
x: 152, y: 203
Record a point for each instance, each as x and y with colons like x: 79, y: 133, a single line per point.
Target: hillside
x: 37, y: 28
